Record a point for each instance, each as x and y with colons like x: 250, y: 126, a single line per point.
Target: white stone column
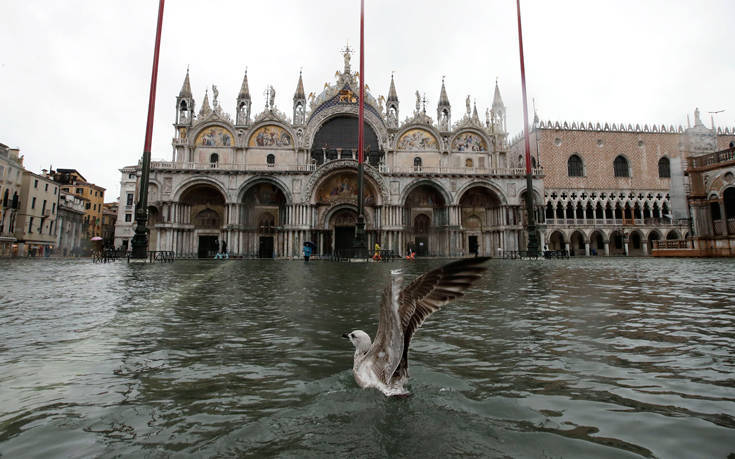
x: 644, y: 246
x: 607, y: 248
x: 587, y: 249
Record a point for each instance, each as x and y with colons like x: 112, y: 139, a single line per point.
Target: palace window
x: 270, y: 160
x: 130, y: 199
x: 575, y: 167
x: 728, y: 199
x: 128, y: 217
x: 33, y: 203
x: 417, y: 163
x: 213, y: 160
x: 664, y: 168
x: 620, y: 166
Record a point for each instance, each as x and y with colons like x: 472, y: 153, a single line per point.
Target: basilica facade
x: 263, y: 184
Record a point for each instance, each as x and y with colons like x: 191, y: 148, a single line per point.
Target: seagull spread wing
x: 427, y: 294
x: 387, y: 349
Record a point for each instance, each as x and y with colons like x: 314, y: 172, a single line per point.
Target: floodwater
x: 568, y: 358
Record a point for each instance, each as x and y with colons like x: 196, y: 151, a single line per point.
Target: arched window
x: 664, y: 168
x: 468, y: 162
x: 270, y: 160
x: 549, y: 211
x: 575, y: 167
x: 728, y: 199
x: 417, y: 164
x: 213, y: 160
x: 621, y: 167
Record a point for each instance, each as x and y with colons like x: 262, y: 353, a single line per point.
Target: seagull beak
x: 345, y: 336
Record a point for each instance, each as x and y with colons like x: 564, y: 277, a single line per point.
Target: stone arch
x: 255, y: 130
x: 200, y: 180
x: 328, y: 169
x: 577, y: 241
x: 203, y: 206
x: 597, y: 240
x: 556, y: 240
x: 537, y: 199
x: 673, y: 235
x: 253, y: 181
x: 263, y: 196
x: 372, y: 182
x: 154, y: 188
x: 198, y: 130
x: 617, y: 242
x: 329, y: 215
x: 423, y: 127
x: 419, y: 182
x: 635, y: 243
x: 484, y: 184
x: 469, y: 130
x: 321, y: 116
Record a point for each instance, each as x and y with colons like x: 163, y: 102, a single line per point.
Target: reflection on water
x: 585, y: 358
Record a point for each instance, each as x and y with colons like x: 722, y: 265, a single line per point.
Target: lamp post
x: 140, y: 239
x: 532, y: 246
x: 359, y: 247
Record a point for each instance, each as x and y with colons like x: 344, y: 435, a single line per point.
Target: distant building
x: 712, y: 199
x: 109, y: 219
x: 70, y: 233
x: 614, y: 189
x: 74, y: 182
x: 35, y: 226
x: 11, y: 180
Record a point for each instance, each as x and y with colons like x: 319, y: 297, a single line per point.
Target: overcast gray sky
x: 75, y: 74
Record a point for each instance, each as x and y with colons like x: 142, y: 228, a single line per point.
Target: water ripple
x: 581, y: 358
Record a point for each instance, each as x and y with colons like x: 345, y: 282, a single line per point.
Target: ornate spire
x: 475, y: 116
x: 392, y: 95
x: 186, y: 87
x: 205, y: 105
x: 443, y: 99
x: 299, y: 95
x: 444, y: 109
x: 497, y: 100
x: 244, y: 89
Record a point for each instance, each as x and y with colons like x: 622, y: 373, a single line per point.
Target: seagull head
x: 359, y: 339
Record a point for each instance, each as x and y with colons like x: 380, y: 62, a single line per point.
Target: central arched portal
x: 337, y: 139
x: 335, y: 200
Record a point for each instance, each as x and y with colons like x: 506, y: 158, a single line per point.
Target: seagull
x: 383, y: 364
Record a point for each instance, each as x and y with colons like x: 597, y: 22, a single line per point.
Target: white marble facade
x: 264, y: 186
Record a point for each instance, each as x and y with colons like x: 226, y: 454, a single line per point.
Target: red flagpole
x: 523, y: 89
x: 360, y: 130
x: 140, y: 239
x: 154, y: 79
x: 532, y: 247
